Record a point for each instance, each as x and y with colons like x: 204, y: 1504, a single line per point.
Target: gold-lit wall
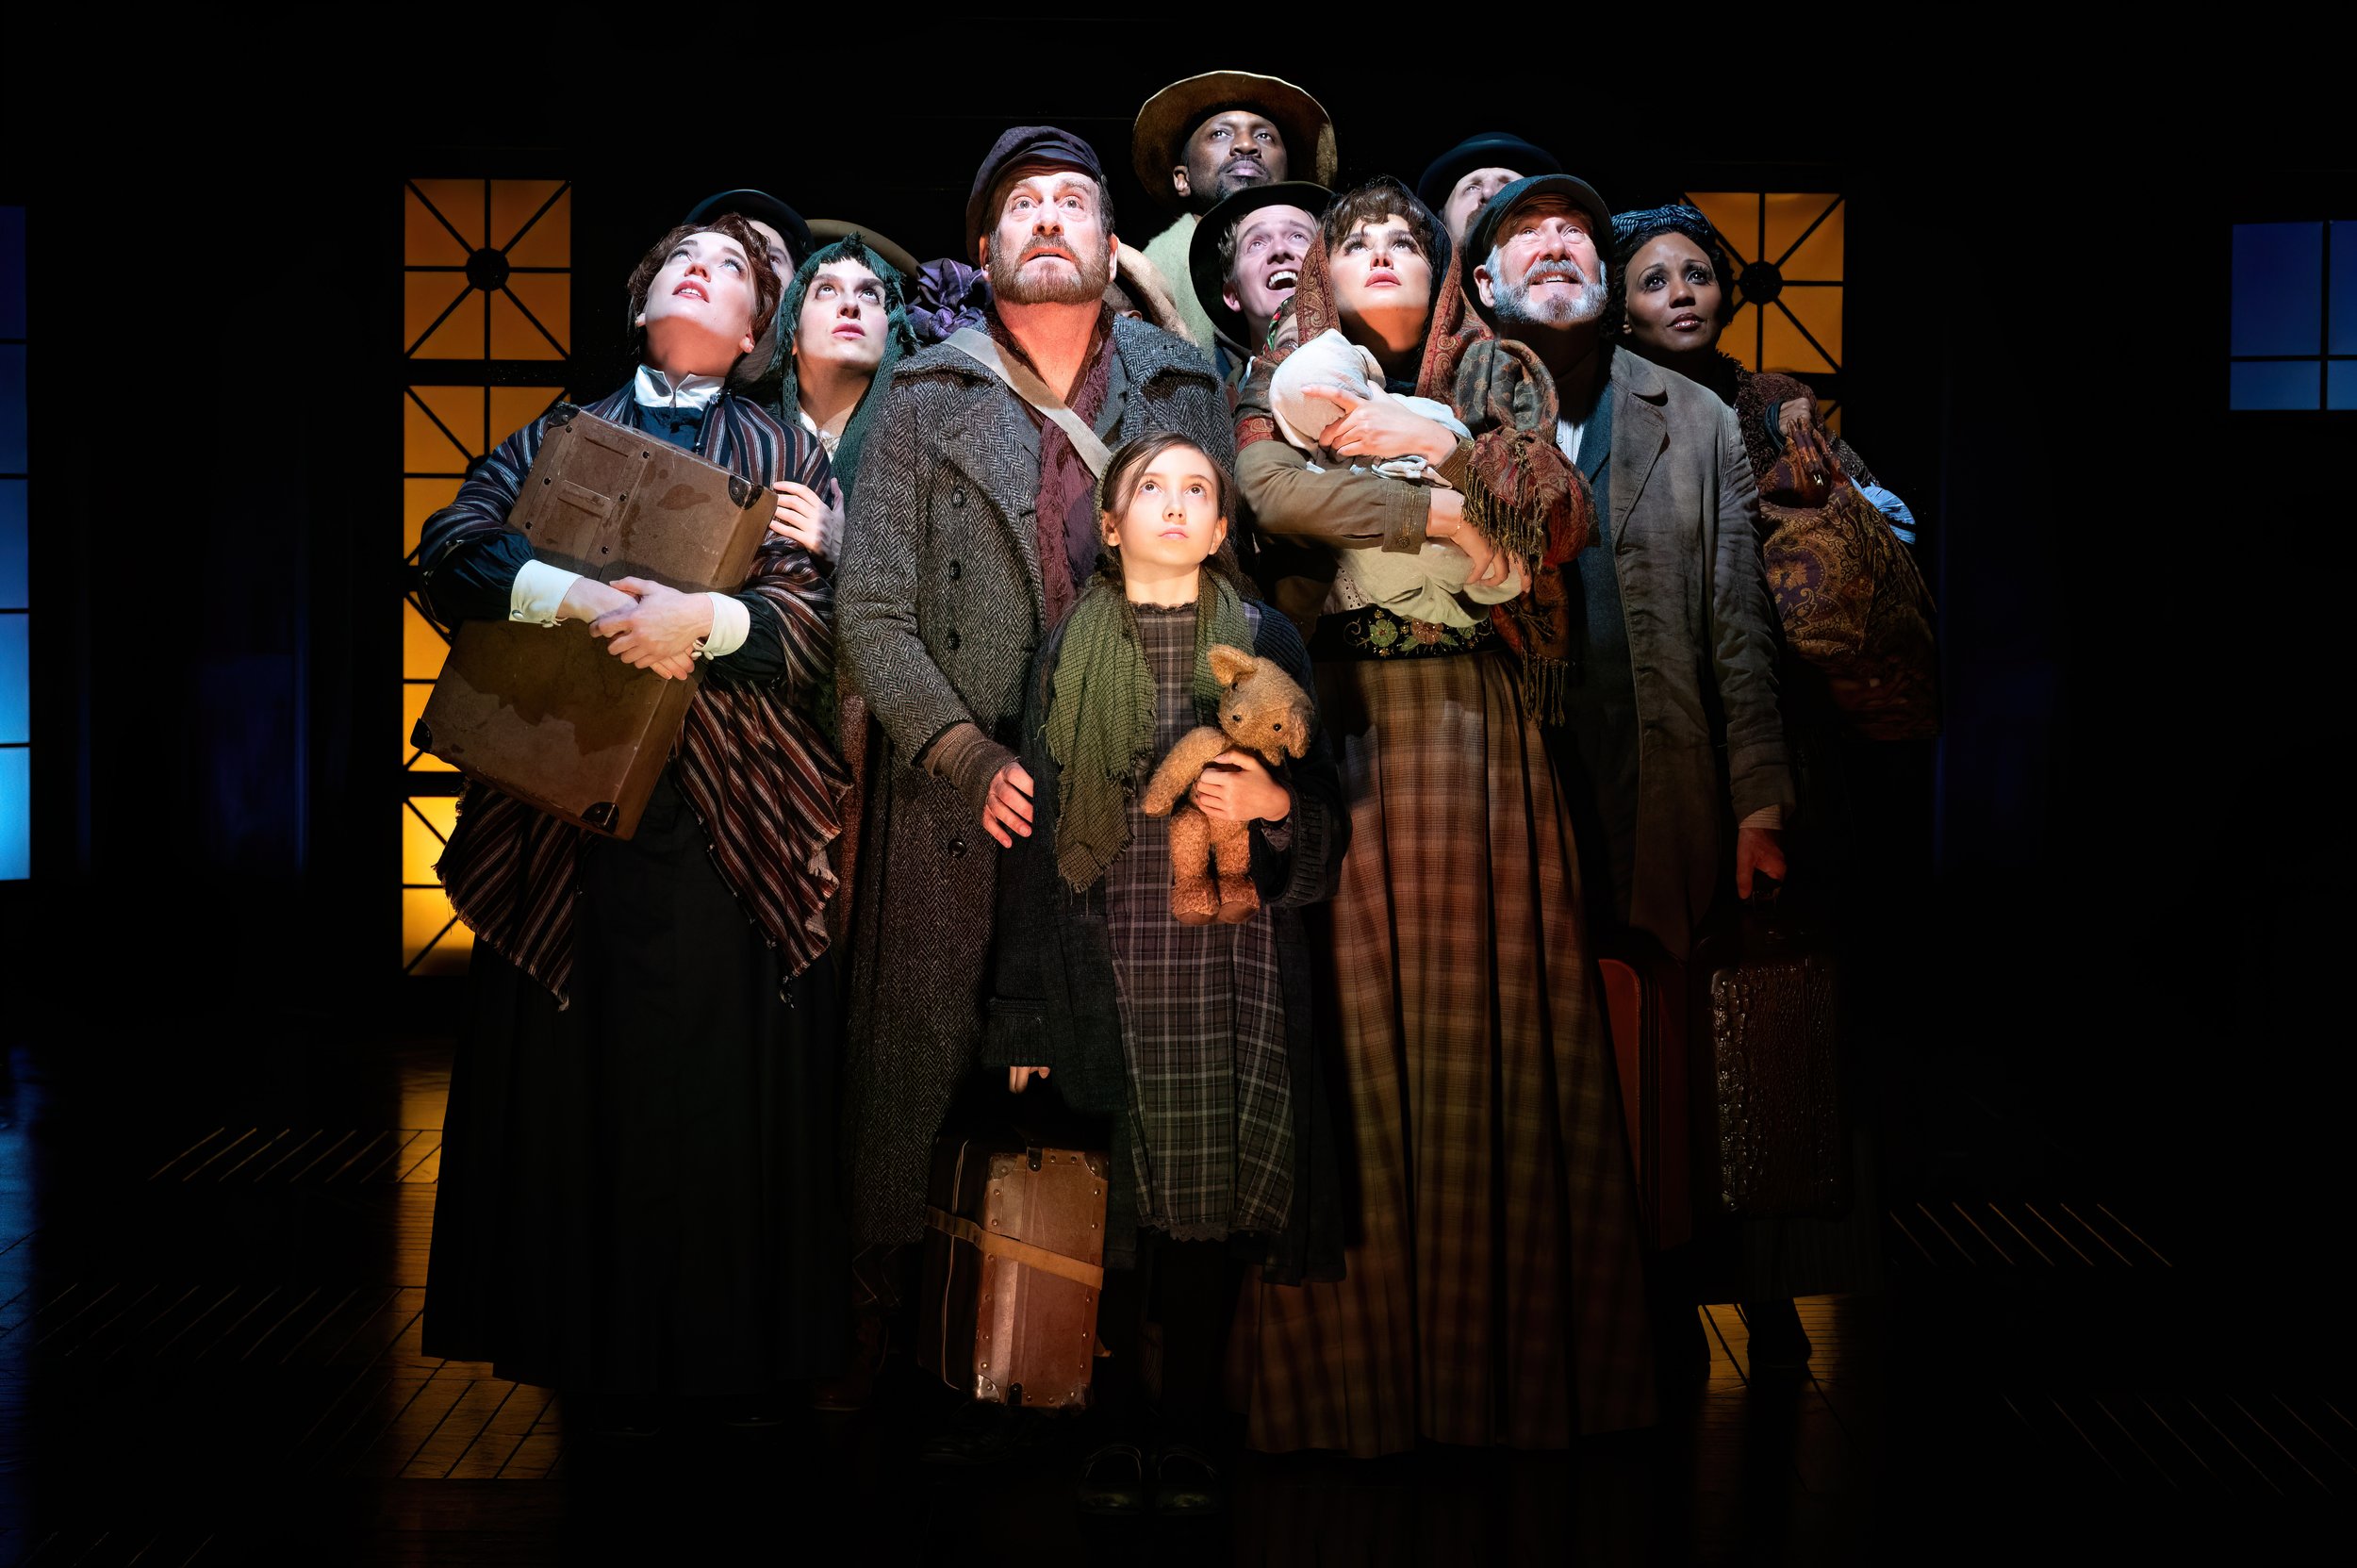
x: 1799, y: 235
x: 487, y: 286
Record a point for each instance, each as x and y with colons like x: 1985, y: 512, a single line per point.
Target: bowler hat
x: 1158, y: 142
x: 1203, y: 264
x: 763, y: 207
x: 1490, y: 150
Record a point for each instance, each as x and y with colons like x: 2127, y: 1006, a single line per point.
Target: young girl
x: 1192, y: 1042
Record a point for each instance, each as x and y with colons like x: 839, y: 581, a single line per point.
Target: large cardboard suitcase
x: 547, y: 714
x: 1772, y: 1113
x: 1644, y: 1003
x: 1014, y: 1253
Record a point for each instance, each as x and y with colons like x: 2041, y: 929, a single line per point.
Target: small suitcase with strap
x: 1014, y: 1253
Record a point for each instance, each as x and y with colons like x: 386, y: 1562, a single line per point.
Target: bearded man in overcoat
x: 972, y: 529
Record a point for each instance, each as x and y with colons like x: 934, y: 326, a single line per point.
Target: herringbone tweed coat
x: 939, y: 613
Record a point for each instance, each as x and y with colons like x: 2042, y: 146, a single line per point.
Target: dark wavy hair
x: 1633, y: 231
x: 1379, y: 198
x: 766, y: 289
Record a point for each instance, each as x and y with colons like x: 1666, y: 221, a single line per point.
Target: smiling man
x: 1199, y: 141
x: 972, y: 527
x: 1245, y: 261
x: 1668, y: 598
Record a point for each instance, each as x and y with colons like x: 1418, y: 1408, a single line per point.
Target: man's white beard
x: 1514, y: 303
x: 1008, y: 283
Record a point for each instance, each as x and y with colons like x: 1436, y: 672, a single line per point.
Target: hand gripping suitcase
x: 545, y: 713
x: 1772, y: 1119
x: 1645, y: 1004
x: 1015, y: 1252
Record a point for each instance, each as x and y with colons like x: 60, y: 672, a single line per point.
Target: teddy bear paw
x: 1238, y: 900
x: 1194, y: 903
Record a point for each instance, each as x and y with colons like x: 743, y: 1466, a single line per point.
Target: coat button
x: 957, y: 497
x: 957, y: 846
x: 952, y: 640
x: 957, y: 569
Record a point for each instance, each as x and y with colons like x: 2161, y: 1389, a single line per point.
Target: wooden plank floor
x: 210, y: 1296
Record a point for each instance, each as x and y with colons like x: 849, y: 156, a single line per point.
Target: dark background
x: 2141, y: 843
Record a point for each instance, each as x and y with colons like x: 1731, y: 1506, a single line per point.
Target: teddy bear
x: 1262, y: 710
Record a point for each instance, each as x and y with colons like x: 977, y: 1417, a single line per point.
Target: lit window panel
x: 1785, y: 249
x: 2293, y: 342
x: 16, y: 592
x: 487, y: 329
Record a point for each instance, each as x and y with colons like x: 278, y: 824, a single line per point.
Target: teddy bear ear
x: 1230, y: 664
x: 1297, y: 737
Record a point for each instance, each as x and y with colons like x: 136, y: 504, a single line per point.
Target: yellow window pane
x: 1819, y: 311
x: 458, y: 201
x: 513, y: 337
x: 427, y: 301
x: 424, y: 242
x: 549, y: 242
x: 419, y: 845
x: 461, y: 336
x: 1739, y: 339
x: 1736, y: 215
x: 421, y: 647
x: 1787, y: 349
x: 413, y: 695
x: 550, y: 298
x: 1789, y: 212
x: 426, y: 928
x: 1818, y: 257
x: 421, y: 499
x: 513, y: 407
x: 446, y: 449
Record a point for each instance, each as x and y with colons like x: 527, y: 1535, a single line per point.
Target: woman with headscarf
x: 1670, y: 296
x: 1491, y: 1293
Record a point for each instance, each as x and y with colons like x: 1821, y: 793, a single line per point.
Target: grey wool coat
x: 939, y: 611
x: 1702, y: 639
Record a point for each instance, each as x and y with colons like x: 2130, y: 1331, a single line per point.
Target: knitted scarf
x: 1100, y: 715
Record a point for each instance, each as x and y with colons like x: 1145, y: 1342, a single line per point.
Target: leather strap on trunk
x: 959, y: 1229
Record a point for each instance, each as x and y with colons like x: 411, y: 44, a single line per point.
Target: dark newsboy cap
x: 1025, y: 144
x: 1481, y: 236
x: 1490, y: 150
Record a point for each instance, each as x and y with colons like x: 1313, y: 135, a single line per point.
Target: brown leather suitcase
x: 1773, y: 1121
x: 546, y: 713
x: 1015, y: 1252
x: 1645, y: 1004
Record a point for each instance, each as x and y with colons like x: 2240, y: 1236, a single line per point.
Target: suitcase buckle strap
x: 957, y: 1228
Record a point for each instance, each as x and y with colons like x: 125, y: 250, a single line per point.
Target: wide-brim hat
x: 1489, y: 150
x: 1481, y: 234
x: 1170, y: 116
x: 826, y: 231
x: 763, y: 206
x: 1203, y: 266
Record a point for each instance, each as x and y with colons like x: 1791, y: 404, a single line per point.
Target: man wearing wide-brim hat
x: 1201, y: 140
x: 1671, y: 596
x: 1245, y: 261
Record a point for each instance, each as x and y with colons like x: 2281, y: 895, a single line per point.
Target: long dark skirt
x: 639, y: 1193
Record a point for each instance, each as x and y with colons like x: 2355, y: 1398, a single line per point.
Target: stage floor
x: 213, y: 1259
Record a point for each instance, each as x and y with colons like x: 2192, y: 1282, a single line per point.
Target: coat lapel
x: 1641, y: 434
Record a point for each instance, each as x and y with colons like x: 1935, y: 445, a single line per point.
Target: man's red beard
x: 1008, y: 283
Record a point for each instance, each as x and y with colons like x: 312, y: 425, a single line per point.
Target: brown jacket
x: 1702, y: 639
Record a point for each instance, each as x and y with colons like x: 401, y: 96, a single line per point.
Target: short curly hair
x: 766, y: 289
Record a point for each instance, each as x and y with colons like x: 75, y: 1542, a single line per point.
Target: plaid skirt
x: 1494, y: 1293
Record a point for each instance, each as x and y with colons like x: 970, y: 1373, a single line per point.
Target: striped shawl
x: 752, y: 762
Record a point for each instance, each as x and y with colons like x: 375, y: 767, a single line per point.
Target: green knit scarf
x: 1101, y: 718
